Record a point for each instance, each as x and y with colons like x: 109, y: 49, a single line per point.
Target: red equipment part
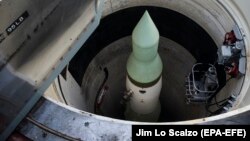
x: 233, y: 70
x: 230, y: 38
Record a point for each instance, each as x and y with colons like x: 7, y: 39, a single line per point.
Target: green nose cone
x: 144, y: 64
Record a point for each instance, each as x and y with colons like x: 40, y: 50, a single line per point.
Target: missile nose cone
x: 145, y: 38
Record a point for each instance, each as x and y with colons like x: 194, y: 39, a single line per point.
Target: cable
x: 216, y: 112
x: 52, y: 131
x: 215, y: 99
x: 99, y: 90
x: 60, y: 87
x: 224, y: 100
x: 218, y: 102
x: 220, y: 106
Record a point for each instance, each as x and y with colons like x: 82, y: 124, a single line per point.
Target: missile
x: 144, y: 73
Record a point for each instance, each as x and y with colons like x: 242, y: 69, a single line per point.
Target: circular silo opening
x: 101, y: 64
